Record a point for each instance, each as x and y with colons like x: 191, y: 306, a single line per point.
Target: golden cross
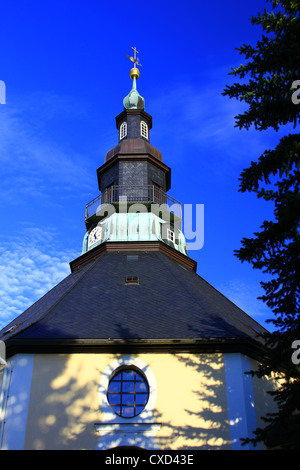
x: 134, y: 59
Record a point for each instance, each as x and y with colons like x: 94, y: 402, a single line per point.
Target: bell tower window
x: 144, y: 129
x: 170, y: 235
x: 123, y: 130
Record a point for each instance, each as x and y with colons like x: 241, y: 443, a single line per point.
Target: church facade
x: 133, y: 348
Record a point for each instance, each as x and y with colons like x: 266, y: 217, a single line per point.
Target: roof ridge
x: 183, y: 284
x: 186, y: 285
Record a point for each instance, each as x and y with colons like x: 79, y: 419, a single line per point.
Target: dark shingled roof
x: 170, y: 302
x: 132, y: 147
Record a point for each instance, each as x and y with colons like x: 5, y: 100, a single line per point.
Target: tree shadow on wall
x: 193, y: 411
x: 63, y: 404
x: 65, y: 407
x: 203, y: 422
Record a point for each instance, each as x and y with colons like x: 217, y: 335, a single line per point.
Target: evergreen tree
x: 269, y: 83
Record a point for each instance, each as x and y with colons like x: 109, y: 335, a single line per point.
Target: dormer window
x: 123, y: 130
x: 144, y: 129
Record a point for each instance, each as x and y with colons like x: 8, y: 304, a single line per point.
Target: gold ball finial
x: 134, y: 73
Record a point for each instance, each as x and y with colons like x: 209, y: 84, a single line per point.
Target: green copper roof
x: 134, y: 100
x: 135, y: 226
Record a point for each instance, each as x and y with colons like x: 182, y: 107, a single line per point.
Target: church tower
x: 134, y: 180
x: 133, y: 348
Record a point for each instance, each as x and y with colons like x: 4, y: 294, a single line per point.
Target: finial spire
x: 134, y: 72
x: 134, y: 100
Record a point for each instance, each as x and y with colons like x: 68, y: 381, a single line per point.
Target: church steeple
x: 134, y: 100
x: 134, y: 180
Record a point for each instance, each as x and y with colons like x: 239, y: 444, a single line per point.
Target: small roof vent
x: 10, y: 329
x: 132, y: 280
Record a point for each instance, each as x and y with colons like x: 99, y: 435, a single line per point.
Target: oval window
x: 128, y: 392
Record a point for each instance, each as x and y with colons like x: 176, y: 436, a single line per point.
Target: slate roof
x: 170, y: 302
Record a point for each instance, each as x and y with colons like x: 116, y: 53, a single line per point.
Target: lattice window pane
x: 144, y: 129
x: 128, y: 392
x: 123, y: 130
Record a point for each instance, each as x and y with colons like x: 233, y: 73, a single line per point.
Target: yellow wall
x: 191, y: 401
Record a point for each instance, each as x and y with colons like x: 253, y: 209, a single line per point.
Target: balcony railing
x: 131, y: 194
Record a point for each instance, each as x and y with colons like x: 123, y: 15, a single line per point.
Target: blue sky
x: 66, y: 73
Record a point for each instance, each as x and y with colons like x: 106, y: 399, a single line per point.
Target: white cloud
x: 38, y: 167
x: 32, y: 160
x: 204, y: 119
x: 29, y: 269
